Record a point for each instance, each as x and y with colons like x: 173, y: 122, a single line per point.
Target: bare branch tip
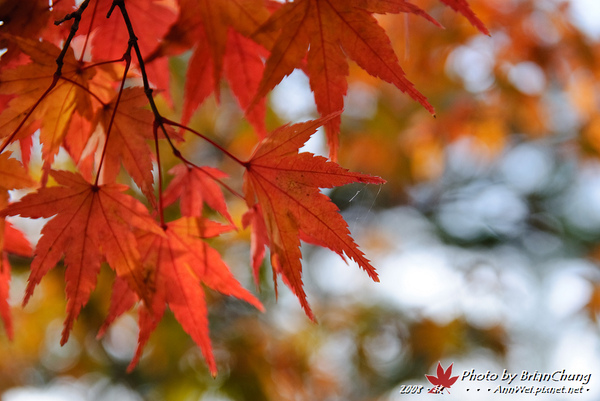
x: 112, y: 7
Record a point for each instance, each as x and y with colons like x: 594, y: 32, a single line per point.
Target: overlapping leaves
x: 78, y: 88
x: 323, y: 34
x: 89, y: 224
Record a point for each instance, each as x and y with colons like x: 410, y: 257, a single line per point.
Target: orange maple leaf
x: 72, y: 93
x: 88, y: 224
x: 12, y: 176
x: 331, y: 31
x: 178, y: 264
x: 285, y: 184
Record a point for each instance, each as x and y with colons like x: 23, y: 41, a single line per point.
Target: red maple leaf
x: 443, y: 380
x: 89, y: 224
x: 72, y: 94
x: 285, y: 185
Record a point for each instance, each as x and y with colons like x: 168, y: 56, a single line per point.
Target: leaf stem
x: 87, y: 36
x: 207, y: 139
x: 127, y: 57
x: 85, y: 89
x: 217, y: 180
x: 99, y: 63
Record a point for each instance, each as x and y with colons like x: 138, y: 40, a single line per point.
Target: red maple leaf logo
x: 443, y: 380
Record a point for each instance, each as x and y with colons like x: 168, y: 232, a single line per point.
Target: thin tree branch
x: 76, y: 16
x: 159, y: 119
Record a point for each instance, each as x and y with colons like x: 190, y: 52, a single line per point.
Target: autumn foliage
x: 86, y: 77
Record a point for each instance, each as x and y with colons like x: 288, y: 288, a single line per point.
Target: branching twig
x: 76, y: 17
x: 159, y: 120
x: 133, y: 42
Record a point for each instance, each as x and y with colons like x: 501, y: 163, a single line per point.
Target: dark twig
x: 76, y: 17
x: 160, y: 121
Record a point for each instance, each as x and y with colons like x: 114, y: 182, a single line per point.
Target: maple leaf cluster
x: 83, y: 77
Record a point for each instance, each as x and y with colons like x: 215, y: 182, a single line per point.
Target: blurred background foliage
x: 486, y: 235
